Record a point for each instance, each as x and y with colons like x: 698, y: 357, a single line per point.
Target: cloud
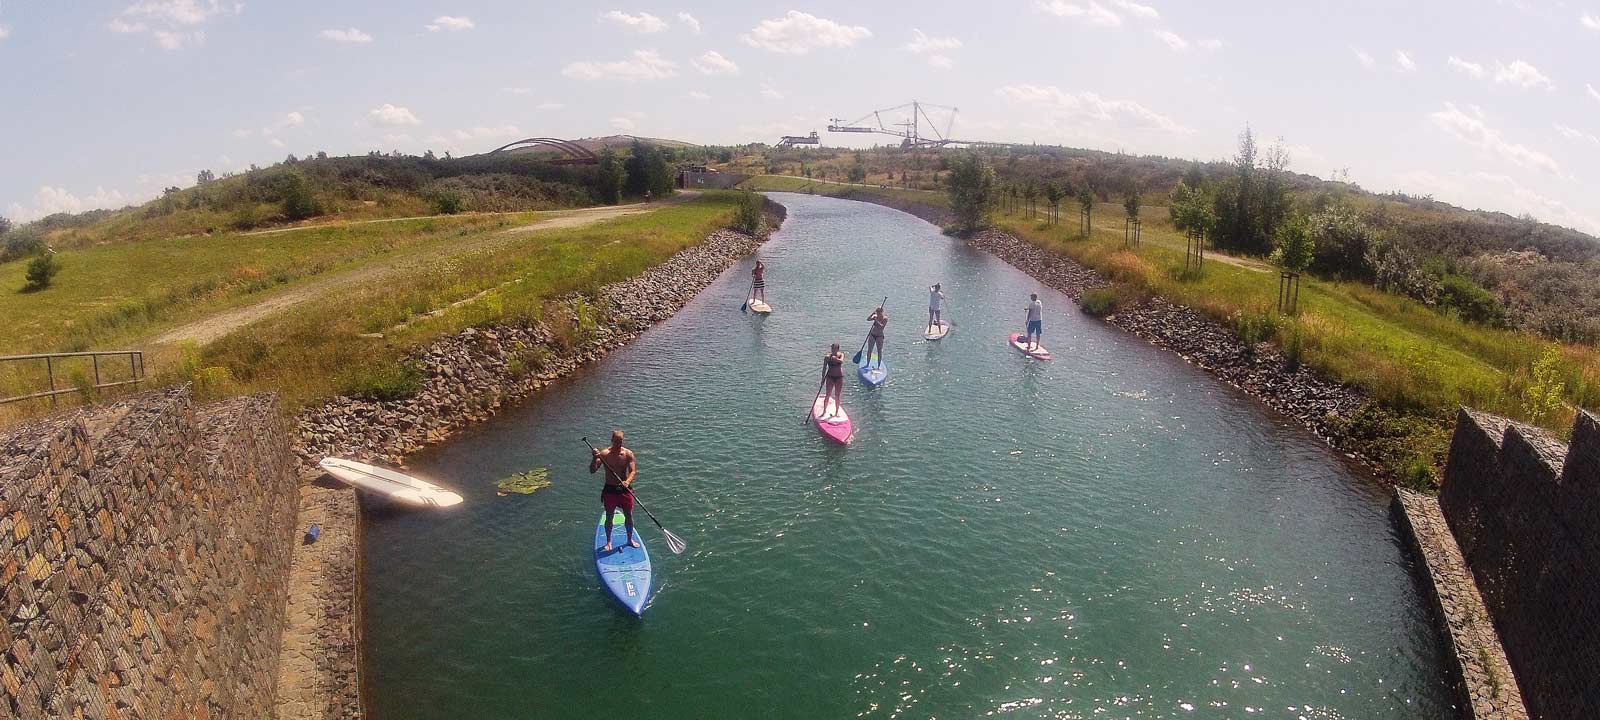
x: 798, y: 33
x: 5, y: 31
x: 1576, y: 134
x: 1592, y: 92
x: 769, y: 92
x: 1367, y: 61
x: 1089, y: 108
x: 450, y: 22
x: 642, y: 23
x: 941, y: 61
x: 243, y: 133
x: 50, y: 200
x: 1499, y: 192
x: 1521, y: 74
x: 1472, y: 69
x: 932, y: 48
x: 388, y: 114
x: 279, y: 144
x: 1472, y: 129
x: 1211, y: 44
x: 697, y: 95
x: 1093, y: 13
x: 1404, y: 61
x: 1143, y: 12
x: 549, y: 106
x: 1589, y: 21
x: 352, y: 35
x: 1173, y: 40
x: 644, y: 65
x: 622, y: 123
x: 293, y: 118
x: 170, y: 23
x: 712, y: 62
x: 690, y: 22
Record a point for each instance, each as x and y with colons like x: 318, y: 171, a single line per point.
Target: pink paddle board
x: 1020, y: 342
x: 836, y: 426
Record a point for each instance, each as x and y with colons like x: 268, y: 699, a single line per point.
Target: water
x: 1111, y: 534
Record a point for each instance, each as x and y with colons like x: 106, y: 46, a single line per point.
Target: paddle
x: 674, y: 543
x: 745, y: 308
x: 813, y: 409
x: 856, y: 358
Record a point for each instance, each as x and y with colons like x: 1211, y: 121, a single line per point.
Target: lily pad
x: 524, y: 483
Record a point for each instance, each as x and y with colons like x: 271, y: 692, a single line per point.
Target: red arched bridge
x: 567, y: 151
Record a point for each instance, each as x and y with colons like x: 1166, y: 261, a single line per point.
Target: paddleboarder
x: 758, y: 282
x: 880, y: 320
x: 833, y: 379
x: 935, y: 303
x: 618, y: 491
x: 1035, y: 329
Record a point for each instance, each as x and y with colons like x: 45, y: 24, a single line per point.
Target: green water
x: 1111, y: 534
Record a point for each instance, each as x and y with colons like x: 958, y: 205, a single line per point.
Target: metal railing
x: 135, y: 372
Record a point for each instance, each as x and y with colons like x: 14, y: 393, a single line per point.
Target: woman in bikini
x: 880, y: 319
x: 833, y: 379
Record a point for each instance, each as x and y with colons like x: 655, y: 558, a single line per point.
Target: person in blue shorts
x: 1035, y: 321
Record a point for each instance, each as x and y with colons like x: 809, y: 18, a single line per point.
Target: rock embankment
x: 474, y: 373
x: 1260, y: 370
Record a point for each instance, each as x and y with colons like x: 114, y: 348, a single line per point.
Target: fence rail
x: 135, y: 371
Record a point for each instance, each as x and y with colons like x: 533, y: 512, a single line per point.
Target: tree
x: 1086, y: 206
x: 1251, y: 203
x: 204, y: 177
x: 1030, y: 192
x: 1342, y: 239
x: 1295, y: 245
x: 971, y: 184
x: 1130, y: 204
x: 747, y: 214
x: 647, y: 170
x: 40, y: 271
x: 612, y: 177
x: 298, y: 201
x: 428, y: 155
x: 1053, y: 193
x: 858, y: 172
x: 5, y: 225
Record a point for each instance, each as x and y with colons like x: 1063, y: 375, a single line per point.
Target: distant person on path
x: 647, y: 196
x: 621, y: 468
x: 880, y: 320
x: 935, y: 304
x: 833, y: 379
x: 758, y: 284
x: 1035, y: 321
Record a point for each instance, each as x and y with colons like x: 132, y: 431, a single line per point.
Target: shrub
x: 388, y: 381
x: 1470, y: 300
x: 447, y: 202
x: 248, y: 217
x: 1254, y: 325
x: 41, y: 270
x: 857, y: 173
x: 747, y: 214
x: 971, y: 184
x: 1099, y: 302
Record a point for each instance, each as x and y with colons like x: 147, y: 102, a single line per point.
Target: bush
x: 1254, y: 326
x: 389, y: 381
x: 446, y: 202
x: 299, y: 202
x: 747, y: 215
x: 1470, y: 300
x: 20, y: 243
x: 40, y: 272
x: 1099, y: 302
x: 248, y: 217
x: 857, y: 173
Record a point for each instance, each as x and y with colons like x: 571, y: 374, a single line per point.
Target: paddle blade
x: 674, y: 543
x: 856, y: 358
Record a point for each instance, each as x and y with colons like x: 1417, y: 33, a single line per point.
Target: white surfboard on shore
x: 396, y: 486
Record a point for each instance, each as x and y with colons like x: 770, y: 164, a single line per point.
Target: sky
x: 1492, y: 104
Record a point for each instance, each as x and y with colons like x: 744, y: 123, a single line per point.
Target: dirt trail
x: 210, y: 328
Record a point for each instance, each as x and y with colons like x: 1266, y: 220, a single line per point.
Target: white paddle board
x: 937, y: 332
x: 760, y: 307
x: 396, y: 486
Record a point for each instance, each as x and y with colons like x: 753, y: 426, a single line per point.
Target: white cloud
x: 1472, y: 129
x: 170, y: 23
x: 932, y: 48
x: 1472, y: 69
x: 769, y: 92
x: 352, y: 35
x: 1404, y: 61
x: 690, y: 22
x: 1592, y: 92
x: 388, y: 114
x: 1367, y: 61
x: 642, y: 23
x: 697, y: 95
x: 1521, y: 74
x: 279, y: 144
x: 51, y: 200
x: 450, y: 22
x: 1144, y: 12
x: 5, y: 31
x: 1576, y: 134
x: 941, y: 61
x: 1093, y: 13
x: 622, y: 123
x: 549, y: 106
x: 1590, y: 21
x: 644, y: 65
x: 798, y: 33
x: 293, y: 118
x: 1087, y: 107
x: 1173, y: 40
x: 1499, y: 192
x: 712, y: 62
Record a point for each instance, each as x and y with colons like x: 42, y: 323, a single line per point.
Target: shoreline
x: 471, y: 376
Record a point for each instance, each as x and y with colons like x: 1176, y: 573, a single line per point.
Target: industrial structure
x: 571, y: 152
x: 793, y: 140
x: 918, y: 129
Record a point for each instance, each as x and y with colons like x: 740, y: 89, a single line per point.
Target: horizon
x: 1432, y: 100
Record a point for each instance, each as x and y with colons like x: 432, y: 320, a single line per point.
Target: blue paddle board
x: 624, y: 570
x: 874, y: 371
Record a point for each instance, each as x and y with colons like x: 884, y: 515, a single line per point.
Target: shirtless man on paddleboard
x: 620, y: 463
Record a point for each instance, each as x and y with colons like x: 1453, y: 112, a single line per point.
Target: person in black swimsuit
x: 833, y: 383
x: 880, y: 319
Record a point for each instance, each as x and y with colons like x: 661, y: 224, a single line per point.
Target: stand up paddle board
x: 387, y: 483
x: 760, y: 307
x: 836, y: 426
x: 624, y: 569
x: 1020, y: 342
x: 938, y: 331
x: 873, y: 372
